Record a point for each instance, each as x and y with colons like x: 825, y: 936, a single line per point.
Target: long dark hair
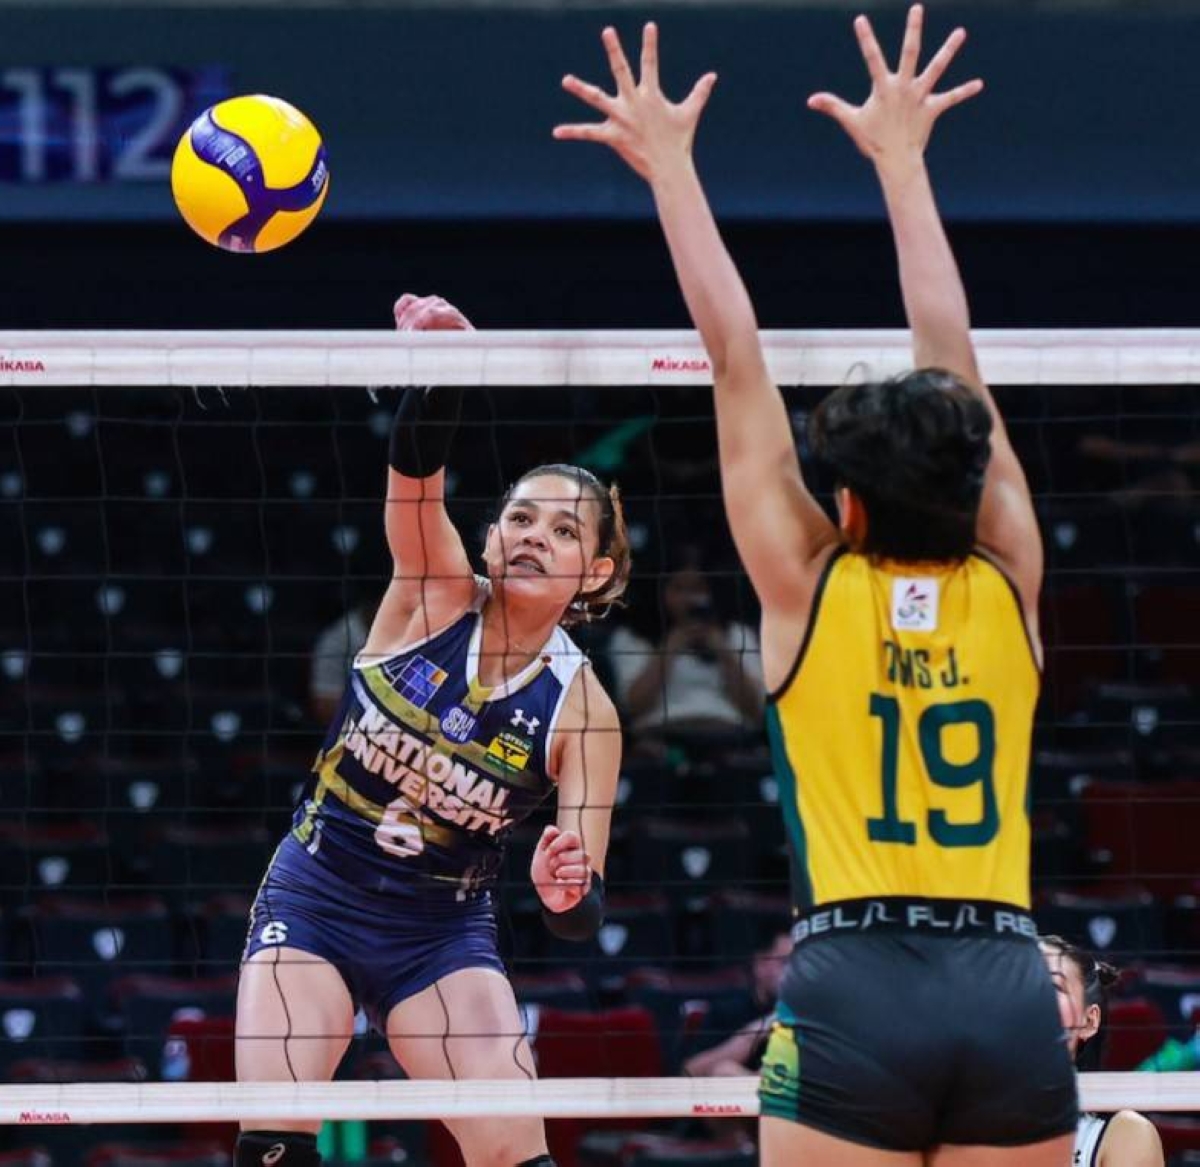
x: 613, y: 540
x: 1098, y: 978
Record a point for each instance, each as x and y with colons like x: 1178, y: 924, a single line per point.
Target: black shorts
x: 906, y: 1042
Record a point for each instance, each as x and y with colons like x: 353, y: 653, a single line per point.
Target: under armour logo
x: 276, y: 1153
x: 528, y: 724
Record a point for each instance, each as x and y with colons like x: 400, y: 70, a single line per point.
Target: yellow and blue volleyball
x: 250, y: 174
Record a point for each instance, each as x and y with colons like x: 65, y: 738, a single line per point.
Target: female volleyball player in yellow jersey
x: 900, y: 648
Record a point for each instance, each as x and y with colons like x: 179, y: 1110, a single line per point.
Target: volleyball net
x: 193, y: 536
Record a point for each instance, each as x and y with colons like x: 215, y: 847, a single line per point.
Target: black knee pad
x: 276, y: 1149
x: 540, y: 1161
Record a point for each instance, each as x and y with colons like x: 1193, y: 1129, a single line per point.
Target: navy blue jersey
x: 425, y: 771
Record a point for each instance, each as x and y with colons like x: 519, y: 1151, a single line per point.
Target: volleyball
x: 249, y: 174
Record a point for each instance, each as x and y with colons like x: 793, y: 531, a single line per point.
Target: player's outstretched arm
x: 778, y: 527
x: 892, y: 128
x: 430, y: 567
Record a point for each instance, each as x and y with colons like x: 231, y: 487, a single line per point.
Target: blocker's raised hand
x: 640, y: 124
x: 895, y: 121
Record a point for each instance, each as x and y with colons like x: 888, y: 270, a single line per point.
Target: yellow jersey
x: 901, y: 738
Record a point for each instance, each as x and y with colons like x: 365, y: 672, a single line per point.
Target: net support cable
x: 575, y: 358
x: 170, y: 1102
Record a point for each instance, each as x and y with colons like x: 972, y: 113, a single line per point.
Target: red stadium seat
x: 1167, y: 630
x: 201, y: 1049
x: 194, y: 1154
x: 612, y: 1043
x: 1145, y: 831
x: 1059, y: 774
x: 1081, y: 630
x: 1180, y: 1135
x: 149, y: 1005
x: 1175, y: 990
x: 617, y: 1043
x: 1136, y: 1029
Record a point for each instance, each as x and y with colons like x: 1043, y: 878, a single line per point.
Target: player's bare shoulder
x: 1131, y: 1140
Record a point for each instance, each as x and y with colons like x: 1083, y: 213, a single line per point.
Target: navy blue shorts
x: 386, y: 947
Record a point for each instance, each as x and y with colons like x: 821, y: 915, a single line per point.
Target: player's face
x: 1079, y: 1020
x: 544, y: 544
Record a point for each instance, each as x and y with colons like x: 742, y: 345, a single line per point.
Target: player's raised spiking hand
x: 428, y: 314
x: 893, y: 125
x: 640, y: 124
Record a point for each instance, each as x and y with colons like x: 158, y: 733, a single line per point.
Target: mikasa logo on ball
x: 915, y: 604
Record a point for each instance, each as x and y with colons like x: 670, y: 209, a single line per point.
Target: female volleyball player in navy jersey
x: 467, y: 707
x: 1082, y: 984
x: 900, y: 650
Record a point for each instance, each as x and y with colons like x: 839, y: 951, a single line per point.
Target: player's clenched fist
x: 561, y: 870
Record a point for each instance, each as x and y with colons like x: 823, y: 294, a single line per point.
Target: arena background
x: 172, y: 557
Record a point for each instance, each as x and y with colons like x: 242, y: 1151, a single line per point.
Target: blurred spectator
x: 741, y: 1052
x: 332, y: 655
x: 1152, y: 453
x: 704, y: 676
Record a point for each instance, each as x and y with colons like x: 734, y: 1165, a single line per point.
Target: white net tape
x: 554, y: 1098
x: 495, y: 359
